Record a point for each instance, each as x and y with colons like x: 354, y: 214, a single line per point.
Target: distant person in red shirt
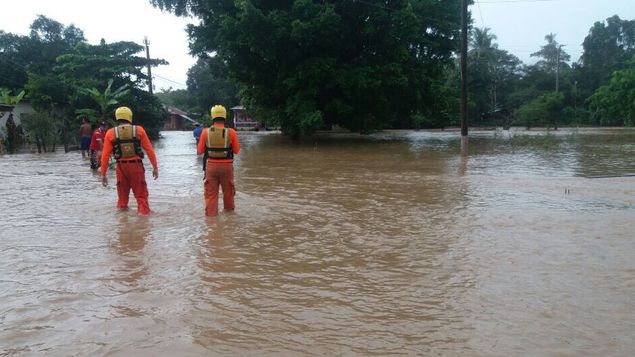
x: 219, y: 144
x: 97, y: 145
x: 127, y: 142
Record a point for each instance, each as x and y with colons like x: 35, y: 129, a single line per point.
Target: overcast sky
x: 520, y: 25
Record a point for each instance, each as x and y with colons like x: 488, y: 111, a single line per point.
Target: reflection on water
x: 388, y: 244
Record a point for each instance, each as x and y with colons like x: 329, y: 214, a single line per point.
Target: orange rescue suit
x: 130, y: 171
x: 221, y: 146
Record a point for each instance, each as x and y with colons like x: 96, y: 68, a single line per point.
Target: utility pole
x: 147, y: 43
x: 575, y: 101
x: 558, y: 68
x: 464, y: 138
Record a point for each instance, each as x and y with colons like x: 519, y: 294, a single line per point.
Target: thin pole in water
x: 464, y: 137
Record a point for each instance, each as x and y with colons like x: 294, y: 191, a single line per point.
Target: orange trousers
x: 131, y: 175
x: 219, y: 174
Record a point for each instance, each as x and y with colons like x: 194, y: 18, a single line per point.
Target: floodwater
x: 344, y: 245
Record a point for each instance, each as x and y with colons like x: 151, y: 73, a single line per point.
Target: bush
x: 547, y: 110
x: 42, y: 128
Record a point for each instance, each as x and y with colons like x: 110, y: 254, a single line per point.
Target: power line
x: 169, y: 80
x: 478, y: 5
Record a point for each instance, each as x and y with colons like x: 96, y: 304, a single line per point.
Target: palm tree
x: 104, y: 100
x: 482, y: 43
x: 551, y: 54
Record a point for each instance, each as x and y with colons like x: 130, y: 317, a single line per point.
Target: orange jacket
x: 233, y: 138
x: 146, y: 145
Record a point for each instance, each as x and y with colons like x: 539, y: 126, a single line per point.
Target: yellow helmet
x: 218, y: 111
x: 123, y: 113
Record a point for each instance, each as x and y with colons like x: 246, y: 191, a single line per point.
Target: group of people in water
x: 129, y: 144
x: 92, y: 142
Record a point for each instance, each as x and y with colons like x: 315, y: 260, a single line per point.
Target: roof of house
x: 176, y: 111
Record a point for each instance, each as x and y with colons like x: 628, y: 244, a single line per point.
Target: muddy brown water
x: 384, y: 245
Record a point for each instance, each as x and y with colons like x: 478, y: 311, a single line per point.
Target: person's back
x: 96, y: 145
x: 197, y: 132
x: 219, y: 144
x: 127, y: 141
x: 85, y: 133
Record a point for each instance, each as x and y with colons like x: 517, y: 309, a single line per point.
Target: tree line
x: 369, y: 64
x: 306, y: 65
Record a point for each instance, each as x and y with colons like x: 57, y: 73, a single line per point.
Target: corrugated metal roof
x: 176, y: 111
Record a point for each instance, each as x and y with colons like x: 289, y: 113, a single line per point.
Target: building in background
x: 24, y: 107
x: 242, y: 121
x: 177, y: 119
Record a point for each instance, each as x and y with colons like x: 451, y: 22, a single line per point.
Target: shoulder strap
x: 134, y: 131
x: 116, y: 132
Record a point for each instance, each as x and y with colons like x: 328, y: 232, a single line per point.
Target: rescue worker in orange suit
x: 219, y: 145
x: 126, y: 141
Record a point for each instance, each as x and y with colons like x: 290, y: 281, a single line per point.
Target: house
x: 177, y: 119
x: 242, y: 121
x: 24, y: 107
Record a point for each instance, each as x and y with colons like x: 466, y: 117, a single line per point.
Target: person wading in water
x: 219, y: 145
x: 85, y: 132
x: 126, y: 141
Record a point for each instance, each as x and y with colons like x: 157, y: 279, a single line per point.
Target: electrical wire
x: 167, y: 79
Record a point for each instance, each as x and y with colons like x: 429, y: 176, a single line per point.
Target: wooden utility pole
x: 464, y: 137
x: 147, y: 43
x: 558, y: 68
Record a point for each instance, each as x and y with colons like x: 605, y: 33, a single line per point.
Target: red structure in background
x: 242, y: 121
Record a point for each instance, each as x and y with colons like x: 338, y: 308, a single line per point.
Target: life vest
x: 218, y: 144
x: 126, y: 143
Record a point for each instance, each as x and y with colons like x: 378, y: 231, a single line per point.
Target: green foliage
x: 493, y: 76
x: 307, y: 65
x: 8, y: 99
x: 147, y: 110
x: 106, y: 99
x: 551, y: 55
x: 12, y: 68
x: 546, y: 141
x: 545, y: 110
x: 67, y: 76
x: 208, y: 83
x: 608, y: 47
x: 614, y: 103
x: 180, y: 98
x: 41, y: 127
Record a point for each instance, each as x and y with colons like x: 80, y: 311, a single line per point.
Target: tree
x: 608, y: 47
x: 551, y: 55
x: 208, y: 84
x: 41, y: 126
x: 12, y: 68
x: 614, y: 103
x: 180, y: 98
x: 117, y: 62
x: 494, y: 74
x: 106, y: 99
x: 547, y: 109
x: 314, y: 64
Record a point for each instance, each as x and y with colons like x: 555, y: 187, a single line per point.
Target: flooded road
x: 385, y: 245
